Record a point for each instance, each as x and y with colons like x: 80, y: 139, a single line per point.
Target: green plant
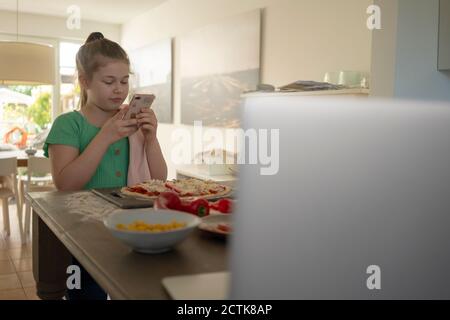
x: 40, y: 111
x: 22, y: 89
x: 13, y: 111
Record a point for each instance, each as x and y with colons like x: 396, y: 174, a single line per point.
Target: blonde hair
x: 89, y: 58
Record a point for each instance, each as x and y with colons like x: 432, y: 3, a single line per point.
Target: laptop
x: 360, y: 205
x: 203, y: 286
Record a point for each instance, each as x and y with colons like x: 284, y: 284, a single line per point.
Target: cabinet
x: 444, y: 35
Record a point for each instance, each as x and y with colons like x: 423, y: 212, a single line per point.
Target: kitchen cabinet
x: 444, y: 35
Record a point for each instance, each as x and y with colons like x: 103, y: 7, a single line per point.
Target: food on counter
x: 199, y: 206
x: 219, y: 225
x: 170, y: 200
x: 224, y: 205
x: 185, y: 188
x: 148, y: 227
x: 224, y: 227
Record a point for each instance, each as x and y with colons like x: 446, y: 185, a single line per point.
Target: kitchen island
x: 69, y: 224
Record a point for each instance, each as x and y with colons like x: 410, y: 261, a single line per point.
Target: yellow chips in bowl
x: 139, y: 225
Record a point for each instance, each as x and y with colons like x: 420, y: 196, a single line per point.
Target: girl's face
x: 109, y: 86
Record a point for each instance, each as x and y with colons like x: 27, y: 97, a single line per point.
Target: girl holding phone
x: 89, y: 148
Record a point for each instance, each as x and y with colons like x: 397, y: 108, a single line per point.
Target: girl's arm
x: 155, y: 160
x: 72, y: 171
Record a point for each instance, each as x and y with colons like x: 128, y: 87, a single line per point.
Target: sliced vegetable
x: 224, y: 205
x: 168, y: 200
x: 199, y: 207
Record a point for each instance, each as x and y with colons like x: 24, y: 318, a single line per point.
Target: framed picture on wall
x: 217, y: 64
x: 151, y: 68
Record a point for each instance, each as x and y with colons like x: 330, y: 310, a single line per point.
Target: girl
x: 89, y: 148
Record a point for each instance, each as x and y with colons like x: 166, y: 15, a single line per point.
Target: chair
x: 8, y: 189
x: 36, y: 165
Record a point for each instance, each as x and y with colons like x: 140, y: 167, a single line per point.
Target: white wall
x: 53, y: 27
x: 297, y: 33
x: 302, y: 39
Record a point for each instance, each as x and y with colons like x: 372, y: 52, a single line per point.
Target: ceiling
x: 110, y: 11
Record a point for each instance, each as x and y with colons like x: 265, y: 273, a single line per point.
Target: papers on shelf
x: 302, y: 85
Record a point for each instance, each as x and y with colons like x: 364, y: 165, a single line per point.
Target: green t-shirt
x: 74, y: 130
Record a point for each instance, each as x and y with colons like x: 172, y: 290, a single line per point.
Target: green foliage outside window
x: 40, y: 111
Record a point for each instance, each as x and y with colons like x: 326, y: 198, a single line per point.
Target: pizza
x: 185, y: 188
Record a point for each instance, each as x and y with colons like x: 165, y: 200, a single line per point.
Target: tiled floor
x: 16, y: 276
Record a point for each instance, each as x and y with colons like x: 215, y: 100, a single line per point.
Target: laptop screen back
x: 359, y: 207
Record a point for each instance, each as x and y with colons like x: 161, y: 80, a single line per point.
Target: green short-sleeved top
x: 74, y: 130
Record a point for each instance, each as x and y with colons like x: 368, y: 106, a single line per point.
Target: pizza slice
x: 146, y: 190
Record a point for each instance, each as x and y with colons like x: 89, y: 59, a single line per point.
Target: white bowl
x: 150, y: 242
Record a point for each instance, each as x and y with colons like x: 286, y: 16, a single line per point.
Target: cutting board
x: 114, y: 196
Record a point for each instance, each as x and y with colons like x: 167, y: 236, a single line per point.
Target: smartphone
x: 139, y: 101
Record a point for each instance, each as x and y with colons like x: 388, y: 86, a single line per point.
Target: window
x: 69, y: 90
x: 30, y: 109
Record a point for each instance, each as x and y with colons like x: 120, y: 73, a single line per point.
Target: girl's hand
x: 116, y: 128
x: 148, y: 123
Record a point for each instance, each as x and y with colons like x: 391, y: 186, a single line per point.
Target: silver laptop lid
x: 360, y: 206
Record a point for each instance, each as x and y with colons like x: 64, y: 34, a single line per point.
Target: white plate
x: 211, y: 222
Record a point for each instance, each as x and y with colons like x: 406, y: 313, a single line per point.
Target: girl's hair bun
x: 94, y: 36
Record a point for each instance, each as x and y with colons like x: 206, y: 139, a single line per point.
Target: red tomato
x: 224, y: 205
x: 168, y: 200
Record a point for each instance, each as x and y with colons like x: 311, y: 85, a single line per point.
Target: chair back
x: 8, y: 166
x: 38, y: 165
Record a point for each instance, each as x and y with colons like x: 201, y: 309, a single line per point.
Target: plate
x: 211, y: 222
